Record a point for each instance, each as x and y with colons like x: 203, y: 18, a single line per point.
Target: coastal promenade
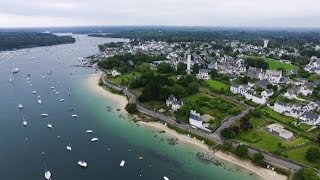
x: 133, y: 98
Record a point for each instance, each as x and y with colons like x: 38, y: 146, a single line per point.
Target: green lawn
x: 262, y: 139
x: 125, y: 78
x: 275, y: 64
x: 212, y: 105
x: 298, y: 154
x: 217, y: 86
x: 277, y: 116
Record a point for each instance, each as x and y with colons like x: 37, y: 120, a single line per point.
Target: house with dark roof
x: 195, y: 119
x: 310, y: 118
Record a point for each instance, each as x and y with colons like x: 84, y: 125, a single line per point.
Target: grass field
x: 125, y: 78
x: 217, y: 86
x: 277, y: 116
x: 212, y: 105
x: 275, y: 64
x: 298, y: 154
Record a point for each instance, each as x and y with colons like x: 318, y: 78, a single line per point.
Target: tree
x: 131, y: 108
x: 195, y: 68
x: 145, y: 67
x: 241, y: 151
x: 165, y: 68
x: 227, y: 133
x: 258, y: 158
x: 226, y: 146
x: 181, y: 68
x: 305, y: 174
x: 312, y: 154
x: 193, y: 88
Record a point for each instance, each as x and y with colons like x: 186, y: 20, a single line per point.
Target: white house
x: 305, y: 90
x: 170, y: 100
x: 176, y: 105
x: 258, y: 99
x: 310, y: 118
x: 115, y: 73
x: 203, y: 74
x: 279, y: 131
x: 281, y: 107
x: 195, y: 119
x: 295, y: 113
x: 173, y: 103
x: 272, y: 76
x: 267, y: 93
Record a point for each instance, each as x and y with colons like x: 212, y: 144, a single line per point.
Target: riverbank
x: 262, y: 173
x: 122, y: 101
x: 119, y: 100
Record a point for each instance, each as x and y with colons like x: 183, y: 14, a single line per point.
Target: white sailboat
x: 25, y: 123
x: 69, y: 147
x: 82, y: 163
x: 94, y: 139
x: 15, y: 70
x: 122, y: 163
x: 89, y: 131
x: 49, y: 126
x: 47, y: 173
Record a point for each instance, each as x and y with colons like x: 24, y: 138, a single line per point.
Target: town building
x: 195, y: 119
x: 203, y: 74
x: 279, y: 130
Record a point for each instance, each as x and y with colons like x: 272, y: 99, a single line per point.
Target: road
x: 269, y: 158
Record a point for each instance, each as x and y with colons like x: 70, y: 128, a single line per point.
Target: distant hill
x: 18, y: 40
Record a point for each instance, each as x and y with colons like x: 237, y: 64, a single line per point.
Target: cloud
x: 270, y: 13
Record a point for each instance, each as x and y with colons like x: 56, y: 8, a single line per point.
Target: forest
x: 17, y: 40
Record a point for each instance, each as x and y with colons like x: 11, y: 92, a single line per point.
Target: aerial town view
x: 197, y: 90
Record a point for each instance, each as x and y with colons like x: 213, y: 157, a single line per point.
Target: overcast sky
x: 225, y: 13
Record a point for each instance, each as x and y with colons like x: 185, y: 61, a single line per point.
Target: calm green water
x: 21, y: 147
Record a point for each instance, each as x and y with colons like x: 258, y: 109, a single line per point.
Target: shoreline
x: 261, y: 173
x: 122, y: 101
x: 119, y: 100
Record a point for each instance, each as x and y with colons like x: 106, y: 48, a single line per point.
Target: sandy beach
x: 262, y: 173
x: 93, y: 84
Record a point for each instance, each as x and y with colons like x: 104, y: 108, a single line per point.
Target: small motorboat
x: 34, y: 92
x: 89, y: 131
x: 49, y: 126
x: 70, y: 109
x: 140, y: 158
x: 94, y: 139
x: 122, y: 163
x: 39, y: 101
x: 82, y: 163
x: 61, y: 100
x: 43, y: 77
x: 20, y: 106
x: 47, y: 175
x: 38, y: 96
x: 74, y: 115
x: 52, y: 87
x: 10, y: 80
x: 57, y: 93
x: 44, y: 115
